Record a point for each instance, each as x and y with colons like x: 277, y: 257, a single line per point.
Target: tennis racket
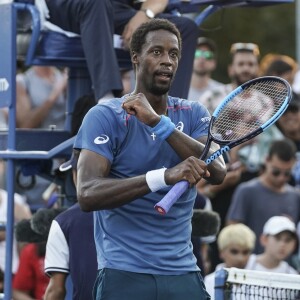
x: 246, y: 112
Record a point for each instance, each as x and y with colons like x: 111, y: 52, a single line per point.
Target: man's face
x: 277, y: 172
x: 235, y: 256
x: 204, y: 61
x: 158, y: 62
x: 244, y: 67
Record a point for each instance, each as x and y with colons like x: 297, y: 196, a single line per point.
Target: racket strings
x: 249, y: 110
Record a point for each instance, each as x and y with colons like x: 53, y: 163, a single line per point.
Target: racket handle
x: 171, y: 197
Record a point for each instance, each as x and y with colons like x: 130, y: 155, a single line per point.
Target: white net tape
x: 244, y: 284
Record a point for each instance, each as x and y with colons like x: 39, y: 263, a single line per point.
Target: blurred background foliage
x: 273, y: 28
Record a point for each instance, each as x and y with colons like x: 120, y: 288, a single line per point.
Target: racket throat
x: 216, y: 154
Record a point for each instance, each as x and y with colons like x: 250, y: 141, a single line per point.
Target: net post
x: 220, y: 282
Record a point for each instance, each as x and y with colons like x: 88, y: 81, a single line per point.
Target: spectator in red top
x: 30, y: 282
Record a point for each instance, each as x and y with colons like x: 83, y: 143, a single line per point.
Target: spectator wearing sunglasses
x: 244, y: 66
x: 268, y: 195
x: 235, y: 245
x: 205, y: 62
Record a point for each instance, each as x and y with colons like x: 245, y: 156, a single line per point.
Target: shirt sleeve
x: 57, y: 251
x: 98, y: 132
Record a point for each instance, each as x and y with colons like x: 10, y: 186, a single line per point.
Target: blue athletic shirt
x: 134, y: 237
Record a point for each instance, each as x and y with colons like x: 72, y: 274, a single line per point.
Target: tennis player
x: 133, y: 149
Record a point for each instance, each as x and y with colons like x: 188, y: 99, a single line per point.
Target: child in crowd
x: 279, y: 239
x: 235, y: 244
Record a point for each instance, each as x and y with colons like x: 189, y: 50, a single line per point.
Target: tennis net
x: 242, y: 284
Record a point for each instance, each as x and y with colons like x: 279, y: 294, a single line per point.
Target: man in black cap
x: 205, y: 62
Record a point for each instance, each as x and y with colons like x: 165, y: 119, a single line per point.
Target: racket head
x: 249, y: 109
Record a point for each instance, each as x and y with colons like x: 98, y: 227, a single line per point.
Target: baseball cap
x: 207, y: 42
x: 278, y: 224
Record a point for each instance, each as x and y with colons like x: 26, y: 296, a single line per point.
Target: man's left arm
x: 186, y: 146
x: 56, y: 289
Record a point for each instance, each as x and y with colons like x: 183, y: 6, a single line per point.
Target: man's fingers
x: 191, y: 170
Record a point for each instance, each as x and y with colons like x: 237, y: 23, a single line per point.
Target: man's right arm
x: 95, y: 191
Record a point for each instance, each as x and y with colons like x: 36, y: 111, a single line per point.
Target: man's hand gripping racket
x: 246, y: 112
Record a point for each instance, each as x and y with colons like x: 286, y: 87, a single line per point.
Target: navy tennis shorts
x: 115, y: 285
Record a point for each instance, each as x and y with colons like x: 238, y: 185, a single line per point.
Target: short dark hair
x: 277, y: 64
x: 294, y: 105
x: 279, y: 67
x: 139, y: 36
x: 284, y: 149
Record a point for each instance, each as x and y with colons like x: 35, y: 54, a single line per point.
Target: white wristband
x: 156, y: 179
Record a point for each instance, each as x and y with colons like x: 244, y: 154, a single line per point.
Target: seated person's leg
x: 93, y: 20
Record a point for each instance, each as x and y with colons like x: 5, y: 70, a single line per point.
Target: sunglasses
x: 204, y: 54
x: 245, y: 46
x: 276, y: 172
x: 236, y: 251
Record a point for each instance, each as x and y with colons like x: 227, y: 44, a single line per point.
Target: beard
x: 159, y: 89
x: 202, y: 73
x: 242, y: 78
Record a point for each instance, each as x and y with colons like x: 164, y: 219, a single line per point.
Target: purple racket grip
x: 171, y: 197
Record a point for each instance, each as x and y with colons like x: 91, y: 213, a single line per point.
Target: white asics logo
x: 102, y: 139
x: 180, y: 126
